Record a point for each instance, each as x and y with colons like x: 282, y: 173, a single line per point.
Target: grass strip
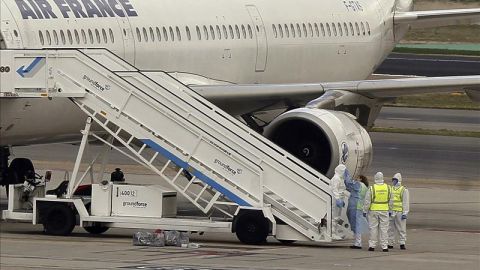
x: 421, y: 131
x: 436, y: 51
x: 455, y: 100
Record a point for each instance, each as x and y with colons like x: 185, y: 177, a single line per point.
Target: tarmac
x: 443, y: 233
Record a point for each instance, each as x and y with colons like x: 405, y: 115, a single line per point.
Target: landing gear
x: 251, y: 227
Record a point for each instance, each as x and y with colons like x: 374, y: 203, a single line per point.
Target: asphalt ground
x: 429, y: 65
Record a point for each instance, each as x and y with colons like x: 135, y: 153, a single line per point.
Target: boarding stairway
x: 227, y: 165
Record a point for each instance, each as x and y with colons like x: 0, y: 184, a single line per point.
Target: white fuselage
x: 274, y: 41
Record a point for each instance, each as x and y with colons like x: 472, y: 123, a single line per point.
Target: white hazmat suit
x: 378, y: 221
x: 338, y: 188
x: 398, y: 219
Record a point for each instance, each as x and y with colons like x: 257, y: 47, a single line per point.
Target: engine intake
x: 323, y: 139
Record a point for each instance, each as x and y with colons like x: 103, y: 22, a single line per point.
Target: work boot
x: 403, y: 247
x: 371, y: 249
x: 385, y: 250
x: 390, y: 247
x: 355, y: 247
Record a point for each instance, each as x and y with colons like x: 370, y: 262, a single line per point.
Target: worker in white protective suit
x: 377, y: 204
x: 338, y: 188
x: 399, y: 212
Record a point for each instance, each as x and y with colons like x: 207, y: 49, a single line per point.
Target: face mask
x: 394, y: 181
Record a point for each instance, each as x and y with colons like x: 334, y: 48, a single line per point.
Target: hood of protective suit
x: 399, y: 177
x: 378, y: 178
x: 340, y: 170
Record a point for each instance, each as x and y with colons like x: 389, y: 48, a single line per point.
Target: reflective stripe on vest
x: 398, y: 198
x: 380, y: 195
x: 362, y: 193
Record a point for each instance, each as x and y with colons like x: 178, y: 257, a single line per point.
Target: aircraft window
x: 179, y: 36
x: 55, y: 37
x: 250, y: 33
x: 345, y: 27
x: 317, y: 33
x: 219, y: 34
x: 112, y: 37
x: 84, y: 37
x: 90, y: 35
x: 334, y: 28
x: 258, y: 28
x: 299, y: 32
x: 40, y: 36
x: 230, y: 29
x: 368, y: 28
x: 97, y: 35
x: 104, y: 34
x: 237, y: 31
x: 304, y: 27
x: 224, y: 28
x: 310, y: 29
x: 329, y: 30
x: 212, y: 32
x: 287, y: 33
x: 49, y: 38
x: 62, y: 37
x: 187, y: 30
x: 340, y: 29
x: 358, y: 29
x: 145, y: 34
x: 77, y: 37
x: 351, y: 29
x: 69, y: 35
x: 205, y: 31
x: 139, y: 35
x: 172, y: 35
x: 152, y: 34
x: 244, y: 32
x: 159, y: 34
x: 323, y: 29
x: 275, y: 33
x: 363, y: 28
x: 165, y: 34
x: 280, y: 30
x: 199, y: 34
x: 292, y: 28
x: 15, y: 33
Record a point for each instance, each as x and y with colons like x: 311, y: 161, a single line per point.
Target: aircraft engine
x: 323, y: 139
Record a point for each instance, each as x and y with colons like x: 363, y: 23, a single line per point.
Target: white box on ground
x: 101, y: 200
x: 143, y: 201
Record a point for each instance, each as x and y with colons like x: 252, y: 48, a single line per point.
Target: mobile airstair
x: 220, y: 164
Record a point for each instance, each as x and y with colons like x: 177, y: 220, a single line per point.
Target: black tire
x: 251, y: 227
x: 96, y: 229
x: 18, y: 170
x: 286, y: 242
x: 59, y: 220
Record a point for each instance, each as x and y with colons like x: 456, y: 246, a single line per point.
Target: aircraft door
x: 128, y: 40
x: 259, y: 30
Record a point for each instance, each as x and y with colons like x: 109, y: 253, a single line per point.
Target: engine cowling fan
x: 323, y: 139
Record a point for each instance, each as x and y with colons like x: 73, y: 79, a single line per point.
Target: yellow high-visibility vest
x: 397, y: 193
x: 380, y: 197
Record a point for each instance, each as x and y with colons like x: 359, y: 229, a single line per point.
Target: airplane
x: 310, y: 58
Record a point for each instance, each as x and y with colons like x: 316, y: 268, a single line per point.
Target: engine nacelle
x: 323, y: 139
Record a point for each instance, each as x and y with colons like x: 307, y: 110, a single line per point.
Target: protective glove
x: 364, y: 214
x: 340, y: 203
x: 404, y: 217
x: 390, y: 213
x: 347, y: 176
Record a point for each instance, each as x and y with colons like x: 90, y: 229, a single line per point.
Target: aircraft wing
x: 419, y: 19
x: 239, y: 99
